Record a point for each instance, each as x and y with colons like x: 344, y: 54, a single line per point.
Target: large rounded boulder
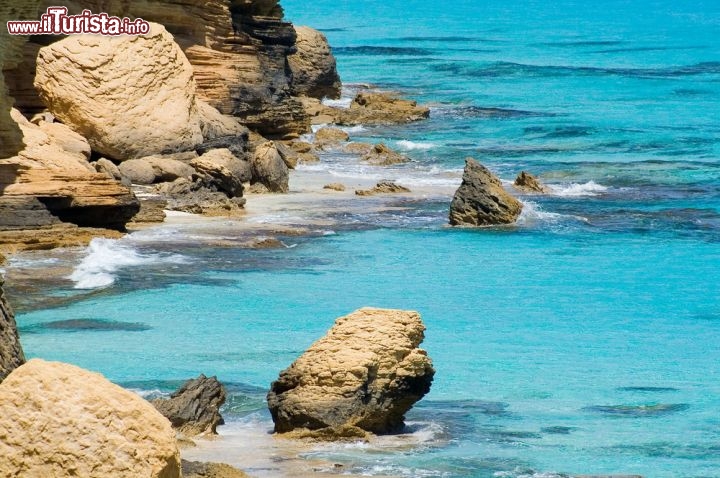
x: 130, y: 96
x: 62, y: 421
x: 313, y: 66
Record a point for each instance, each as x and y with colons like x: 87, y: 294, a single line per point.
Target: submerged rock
x: 639, y: 410
x: 194, y: 409
x: 62, y: 421
x: 383, y: 187
x: 313, y: 66
x: 481, y: 199
x: 11, y: 353
x: 528, y: 183
x: 366, y: 373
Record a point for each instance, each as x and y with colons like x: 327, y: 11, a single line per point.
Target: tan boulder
x: 529, y: 184
x: 130, y: 96
x: 240, y: 168
x: 66, y: 138
x: 367, y: 372
x: 168, y: 169
x: 313, y: 66
x: 481, y: 199
x: 269, y: 169
x: 62, y: 421
x: 381, y: 155
x: 329, y: 136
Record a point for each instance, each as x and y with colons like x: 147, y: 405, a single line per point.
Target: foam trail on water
x: 105, y: 257
x: 590, y: 188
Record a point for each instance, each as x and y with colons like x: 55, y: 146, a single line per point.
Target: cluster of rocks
x: 481, y: 199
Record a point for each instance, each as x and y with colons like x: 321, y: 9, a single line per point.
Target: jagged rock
x: 140, y: 107
x: 138, y: 171
x: 289, y: 156
x: 528, y: 183
x: 313, y: 66
x: 11, y: 353
x: 330, y: 137
x: 193, y: 197
x: 214, y: 124
x: 194, y: 409
x: 62, y: 421
x: 335, y: 187
x: 381, y: 155
x: 196, y: 469
x: 308, y: 158
x: 383, y: 187
x: 367, y: 372
x: 301, y: 147
x: 269, y: 169
x: 168, y: 169
x: 481, y: 199
x: 63, y: 182
x: 216, y: 177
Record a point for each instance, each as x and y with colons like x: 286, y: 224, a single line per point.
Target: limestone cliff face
x: 238, y: 48
x: 11, y: 353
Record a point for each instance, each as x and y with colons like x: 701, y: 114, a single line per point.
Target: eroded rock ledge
x: 11, y: 353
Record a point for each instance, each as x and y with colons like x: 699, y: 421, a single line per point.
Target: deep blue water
x: 584, y: 340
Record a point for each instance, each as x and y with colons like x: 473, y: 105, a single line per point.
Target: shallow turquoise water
x: 582, y: 341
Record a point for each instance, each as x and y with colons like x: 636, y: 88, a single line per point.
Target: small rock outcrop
x: 366, y: 373
x: 269, y: 169
x: 381, y: 155
x: 194, y: 409
x: 11, y: 353
x: 62, y: 421
x: 481, y: 199
x: 529, y: 184
x: 383, y: 187
x: 216, y: 177
x: 329, y: 136
x: 197, y: 469
x: 313, y: 66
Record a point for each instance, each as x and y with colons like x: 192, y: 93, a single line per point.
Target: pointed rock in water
x: 481, y: 199
x: 11, y: 353
x: 194, y: 409
x: 269, y: 169
x: 365, y: 374
x: 80, y: 424
x: 527, y: 183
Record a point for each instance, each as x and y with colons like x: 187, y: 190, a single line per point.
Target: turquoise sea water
x: 583, y: 340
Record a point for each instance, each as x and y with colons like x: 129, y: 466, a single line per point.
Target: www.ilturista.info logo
x: 57, y: 22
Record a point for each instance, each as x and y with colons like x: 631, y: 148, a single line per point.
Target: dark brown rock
x: 194, y: 409
x: 481, y: 199
x: 11, y: 353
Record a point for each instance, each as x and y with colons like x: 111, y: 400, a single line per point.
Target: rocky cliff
x: 11, y: 353
x: 239, y: 50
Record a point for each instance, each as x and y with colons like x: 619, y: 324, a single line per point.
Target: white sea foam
x: 532, y: 213
x: 590, y: 188
x: 353, y: 129
x: 413, y: 145
x: 341, y: 103
x: 105, y: 257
